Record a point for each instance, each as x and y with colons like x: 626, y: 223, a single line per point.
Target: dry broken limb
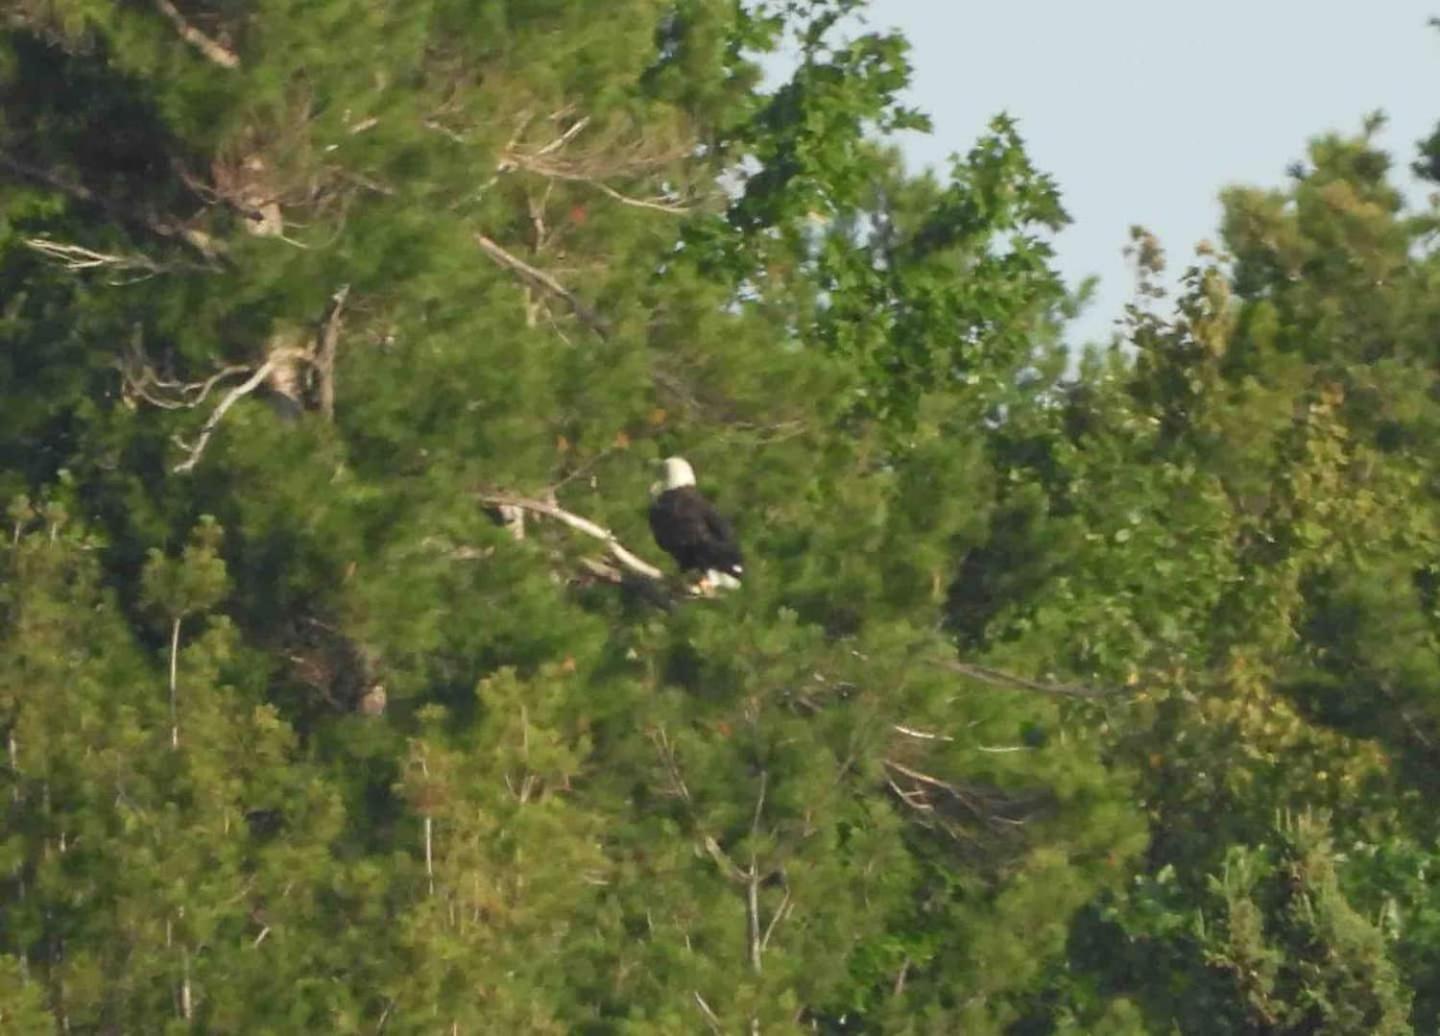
x: 932, y: 797
x: 79, y: 259
x: 540, y: 278
x: 616, y: 549
x: 211, y: 49
x: 197, y: 448
x: 209, y: 248
x: 552, y: 172
x: 549, y: 161
x: 140, y: 380
x: 325, y: 351
x: 997, y: 678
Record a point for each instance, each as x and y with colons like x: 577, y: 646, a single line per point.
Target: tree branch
x: 78, y: 258
x: 231, y: 398
x: 587, y: 316
x: 919, y: 735
x: 996, y: 678
x: 617, y: 550
x: 139, y: 379
x: 752, y: 889
x: 196, y: 239
x: 727, y: 865
x: 710, y: 1017
x: 530, y: 165
x: 775, y: 919
x: 325, y: 351
x: 213, y: 51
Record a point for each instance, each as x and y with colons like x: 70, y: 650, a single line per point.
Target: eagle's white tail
x: 722, y: 580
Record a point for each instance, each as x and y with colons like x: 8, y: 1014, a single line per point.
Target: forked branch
x: 616, y: 549
x: 140, y: 381
x: 540, y: 278
x: 241, y: 390
x: 325, y: 351
x: 127, y: 215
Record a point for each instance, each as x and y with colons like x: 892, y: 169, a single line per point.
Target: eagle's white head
x: 676, y: 472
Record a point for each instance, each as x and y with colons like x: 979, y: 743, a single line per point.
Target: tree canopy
x: 1066, y: 692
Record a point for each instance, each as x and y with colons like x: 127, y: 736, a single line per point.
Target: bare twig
x: 710, y: 1016
x: 775, y: 919
x: 566, y: 137
x: 923, y: 778
x: 1003, y: 749
x: 617, y: 550
x: 919, y: 735
x: 78, y: 258
x: 997, y: 678
x: 555, y: 172
x: 325, y: 351
x: 140, y: 380
x: 727, y: 865
x: 174, y: 661
x: 587, y: 316
x: 752, y: 889
x: 672, y: 767
x: 513, y: 518
x: 202, y: 242
x: 899, y: 986
x: 231, y: 398
x: 212, y: 50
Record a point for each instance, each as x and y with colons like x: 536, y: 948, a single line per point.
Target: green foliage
x: 1301, y: 959
x: 294, y: 293
x: 194, y: 582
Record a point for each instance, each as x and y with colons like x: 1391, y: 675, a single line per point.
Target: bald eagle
x: 689, y: 529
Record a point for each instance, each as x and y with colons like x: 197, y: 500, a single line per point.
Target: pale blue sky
x: 1144, y: 109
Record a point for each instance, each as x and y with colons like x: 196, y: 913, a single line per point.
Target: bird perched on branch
x: 689, y: 528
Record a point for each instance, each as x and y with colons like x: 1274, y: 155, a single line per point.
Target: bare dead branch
x: 727, y: 865
x: 759, y: 803
x: 231, y: 398
x: 78, y: 258
x: 752, y: 890
x: 138, y: 379
x: 200, y: 241
x: 923, y: 778
x: 540, y: 278
x: 513, y: 518
x: 784, y: 908
x: 640, y: 203
x: 212, y: 51
x: 325, y: 351
x: 456, y: 552
x: 617, y: 550
x: 570, y: 134
x: 919, y: 735
x: 672, y: 766
x: 997, y: 678
x: 752, y: 915
x: 556, y: 172
x: 899, y: 986
x: 710, y: 1017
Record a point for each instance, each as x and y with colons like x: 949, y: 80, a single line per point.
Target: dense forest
x: 1065, y: 692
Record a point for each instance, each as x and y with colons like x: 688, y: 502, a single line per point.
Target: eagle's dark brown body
x: 689, y: 529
